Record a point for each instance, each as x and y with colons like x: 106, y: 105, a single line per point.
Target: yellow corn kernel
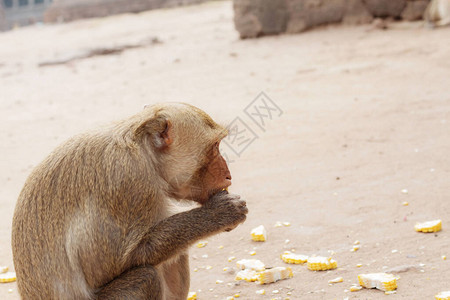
x: 231, y: 258
x: 355, y: 288
x: 192, y: 296
x: 259, y: 234
x: 236, y: 295
x: 381, y: 281
x: 3, y: 269
x: 275, y: 274
x: 336, y: 280
x: 252, y: 253
x: 444, y: 257
x: 247, y: 275
x: 219, y: 281
x: 230, y: 298
x: 320, y: 263
x: 261, y: 292
x: 443, y: 296
x: 8, y: 277
x: 430, y: 226
x: 251, y: 264
x: 292, y: 258
x: 202, y: 244
x: 355, y: 248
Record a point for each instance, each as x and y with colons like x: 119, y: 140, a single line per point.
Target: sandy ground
x: 366, y: 114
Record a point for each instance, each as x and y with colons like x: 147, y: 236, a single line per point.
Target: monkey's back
x: 70, y: 222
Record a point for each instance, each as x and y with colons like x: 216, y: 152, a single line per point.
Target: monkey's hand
x: 227, y: 210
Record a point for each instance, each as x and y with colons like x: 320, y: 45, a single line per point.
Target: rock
x: 304, y: 14
x: 253, y: 18
x: 2, y: 18
x: 385, y: 8
x: 414, y: 10
x: 357, y: 13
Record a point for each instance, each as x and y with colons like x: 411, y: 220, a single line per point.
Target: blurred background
x: 346, y: 104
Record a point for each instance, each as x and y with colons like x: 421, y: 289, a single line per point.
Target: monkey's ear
x: 166, y: 136
x: 159, y: 129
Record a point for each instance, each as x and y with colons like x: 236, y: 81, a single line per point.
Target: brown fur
x: 93, y: 219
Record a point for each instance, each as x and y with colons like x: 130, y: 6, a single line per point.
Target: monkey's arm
x: 177, y: 232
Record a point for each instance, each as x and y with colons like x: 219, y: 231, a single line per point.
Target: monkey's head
x: 185, y: 142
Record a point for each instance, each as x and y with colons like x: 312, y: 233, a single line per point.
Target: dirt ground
x: 366, y: 114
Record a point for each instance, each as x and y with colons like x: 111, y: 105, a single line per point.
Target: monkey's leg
x: 138, y: 283
x: 176, y: 275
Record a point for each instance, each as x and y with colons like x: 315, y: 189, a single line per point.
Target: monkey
x: 437, y: 13
x: 94, y: 221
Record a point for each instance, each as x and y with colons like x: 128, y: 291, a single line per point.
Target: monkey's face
x: 209, y: 176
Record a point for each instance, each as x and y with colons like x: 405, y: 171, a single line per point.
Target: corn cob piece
x: 259, y: 234
x: 251, y: 264
x: 275, y: 274
x: 443, y: 296
x: 320, y: 263
x: 430, y: 226
x: 192, y: 296
x: 247, y: 275
x: 292, y: 258
x: 381, y: 281
x: 8, y: 277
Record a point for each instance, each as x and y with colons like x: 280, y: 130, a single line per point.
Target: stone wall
x: 69, y: 10
x: 254, y: 18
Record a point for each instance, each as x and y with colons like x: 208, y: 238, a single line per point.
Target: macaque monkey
x: 93, y: 220
x: 438, y: 13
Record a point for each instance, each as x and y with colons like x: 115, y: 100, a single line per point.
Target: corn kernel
x: 236, y: 295
x: 430, y: 226
x: 208, y: 267
x: 230, y: 298
x: 261, y: 292
x: 251, y: 264
x: 381, y: 281
x: 219, y: 281
x: 319, y: 263
x: 336, y: 280
x: 275, y: 274
x: 356, y: 242
x: 252, y: 253
x: 259, y: 234
x: 355, y: 288
x: 359, y: 265
x: 292, y: 258
x: 192, y: 296
x: 247, y: 275
x: 355, y: 248
x: 202, y: 244
x: 231, y: 258
x: 3, y: 269
x: 8, y: 277
x: 444, y: 257
x: 405, y: 203
x: 225, y: 269
x: 443, y: 296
